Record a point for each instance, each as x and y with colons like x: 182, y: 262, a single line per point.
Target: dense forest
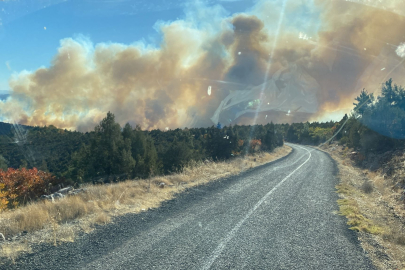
x: 127, y: 152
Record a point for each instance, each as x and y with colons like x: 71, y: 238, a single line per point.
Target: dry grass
x: 62, y: 220
x: 372, y: 207
x: 350, y: 209
x: 102, y: 218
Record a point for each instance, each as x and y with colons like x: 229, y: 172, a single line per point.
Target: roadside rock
x: 46, y: 197
x: 65, y: 190
x: 57, y: 195
x: 76, y: 191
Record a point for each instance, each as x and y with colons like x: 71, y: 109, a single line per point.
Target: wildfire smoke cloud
x: 344, y: 46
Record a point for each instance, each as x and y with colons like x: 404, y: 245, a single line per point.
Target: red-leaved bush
x: 255, y: 145
x: 18, y: 186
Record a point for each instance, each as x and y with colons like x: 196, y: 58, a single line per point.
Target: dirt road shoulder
x: 372, y: 209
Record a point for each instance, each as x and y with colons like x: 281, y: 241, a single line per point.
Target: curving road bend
x: 281, y: 215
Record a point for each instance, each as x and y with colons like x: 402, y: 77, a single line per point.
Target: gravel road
x: 280, y: 215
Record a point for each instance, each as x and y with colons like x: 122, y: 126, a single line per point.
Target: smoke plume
x: 344, y: 46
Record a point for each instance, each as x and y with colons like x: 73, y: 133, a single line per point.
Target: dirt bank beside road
x: 372, y: 201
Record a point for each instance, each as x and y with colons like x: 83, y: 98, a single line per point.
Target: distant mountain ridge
x: 5, y: 128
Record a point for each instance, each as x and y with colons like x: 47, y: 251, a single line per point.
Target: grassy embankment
x: 373, y: 208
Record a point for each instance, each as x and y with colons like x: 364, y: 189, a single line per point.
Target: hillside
x: 47, y: 148
x: 112, y: 152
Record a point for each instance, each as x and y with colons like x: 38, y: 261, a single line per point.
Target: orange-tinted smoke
x: 167, y: 86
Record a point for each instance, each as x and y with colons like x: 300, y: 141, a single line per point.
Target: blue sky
x: 30, y: 30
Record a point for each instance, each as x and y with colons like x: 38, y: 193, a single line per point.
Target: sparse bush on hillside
x: 367, y: 187
x: 401, y: 240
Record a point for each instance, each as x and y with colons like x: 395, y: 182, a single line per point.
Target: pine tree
x: 107, y: 154
x: 151, y: 163
x: 177, y: 156
x: 3, y: 163
x: 269, y: 139
x: 23, y: 164
x: 363, y: 101
x: 388, y: 92
x: 44, y: 166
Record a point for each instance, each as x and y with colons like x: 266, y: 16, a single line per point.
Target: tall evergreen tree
x: 108, y: 152
x: 3, y: 163
x: 363, y: 101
